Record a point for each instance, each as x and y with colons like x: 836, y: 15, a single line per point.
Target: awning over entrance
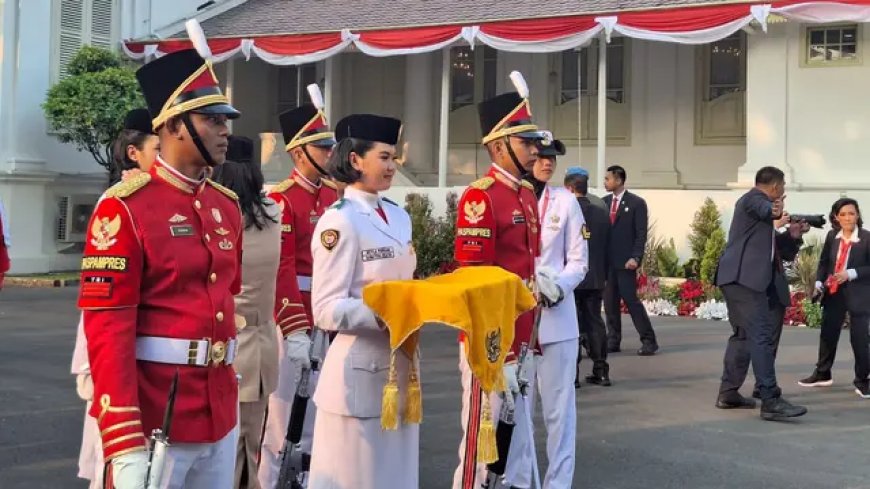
x: 685, y: 24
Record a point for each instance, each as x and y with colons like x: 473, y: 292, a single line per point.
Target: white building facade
x: 686, y: 121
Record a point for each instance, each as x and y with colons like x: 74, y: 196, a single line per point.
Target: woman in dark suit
x: 843, y: 281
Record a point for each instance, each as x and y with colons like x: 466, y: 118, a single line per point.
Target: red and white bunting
x: 686, y: 25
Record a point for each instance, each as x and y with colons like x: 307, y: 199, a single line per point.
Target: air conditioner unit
x: 73, y: 217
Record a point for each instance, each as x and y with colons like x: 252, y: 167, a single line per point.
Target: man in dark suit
x: 587, y: 295
x: 752, y: 280
x: 628, y: 230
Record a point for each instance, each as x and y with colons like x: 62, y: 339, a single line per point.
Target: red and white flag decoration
x: 685, y: 25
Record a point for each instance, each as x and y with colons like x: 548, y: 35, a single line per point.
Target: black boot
x: 778, y: 408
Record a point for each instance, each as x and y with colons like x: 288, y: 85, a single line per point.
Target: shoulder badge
x: 528, y: 185
x: 328, y: 183
x: 337, y: 204
x: 389, y: 201
x: 281, y: 187
x: 229, y: 193
x: 126, y: 188
x: 483, y: 183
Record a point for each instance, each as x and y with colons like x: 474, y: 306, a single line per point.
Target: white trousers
x: 555, y: 373
x: 201, y: 465
x: 279, y: 410
x: 91, y: 453
x: 471, y: 475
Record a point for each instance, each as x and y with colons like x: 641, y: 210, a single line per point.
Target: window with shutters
x: 720, y: 105
x: 293, y: 84
x: 78, y: 23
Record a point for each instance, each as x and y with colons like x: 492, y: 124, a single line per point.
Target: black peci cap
x: 138, y: 120
x: 369, y: 127
x: 305, y: 125
x: 240, y: 149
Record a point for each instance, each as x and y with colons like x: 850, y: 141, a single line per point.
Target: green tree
x: 433, y: 237
x: 87, y: 108
x: 707, y: 220
x: 713, y: 250
x: 668, y: 260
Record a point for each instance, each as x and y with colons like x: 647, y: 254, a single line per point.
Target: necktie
x: 614, y: 206
x: 840, y: 265
x: 381, y: 213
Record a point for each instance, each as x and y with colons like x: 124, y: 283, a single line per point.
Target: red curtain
x: 684, y: 19
x: 539, y: 29
x: 296, y: 44
x: 409, y: 38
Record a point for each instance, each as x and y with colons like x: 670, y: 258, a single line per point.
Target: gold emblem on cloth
x: 217, y: 215
x: 218, y: 352
x: 104, y: 232
x: 225, y: 244
x: 493, y: 345
x: 221, y: 231
x: 177, y: 218
x: 474, y: 211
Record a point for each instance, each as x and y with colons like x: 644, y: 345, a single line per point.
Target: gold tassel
x: 487, y: 451
x: 414, y: 402
x: 390, y: 399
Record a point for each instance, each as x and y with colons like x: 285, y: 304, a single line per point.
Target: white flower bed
x: 712, y: 309
x: 660, y: 307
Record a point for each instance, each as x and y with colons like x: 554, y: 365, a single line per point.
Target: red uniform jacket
x: 497, y: 224
x: 161, y: 259
x: 301, y: 204
x: 4, y: 255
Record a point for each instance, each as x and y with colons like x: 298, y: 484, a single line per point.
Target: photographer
x: 752, y: 280
x: 843, y: 283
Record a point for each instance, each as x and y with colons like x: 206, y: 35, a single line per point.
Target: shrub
x: 802, y: 271
x: 707, y: 220
x: 670, y: 293
x: 650, y: 265
x: 812, y: 313
x: 714, y: 248
x: 667, y: 260
x: 433, y: 237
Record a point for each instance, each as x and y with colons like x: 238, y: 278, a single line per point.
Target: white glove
x: 528, y: 370
x: 297, y: 346
x: 511, y: 383
x: 85, y: 386
x: 550, y: 292
x: 129, y: 470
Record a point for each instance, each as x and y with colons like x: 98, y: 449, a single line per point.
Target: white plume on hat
x: 197, y: 37
x: 520, y: 83
x: 316, y: 96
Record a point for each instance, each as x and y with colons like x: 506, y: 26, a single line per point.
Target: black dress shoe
x: 778, y: 408
x: 756, y: 394
x: 648, y: 350
x: 602, y: 380
x: 734, y: 401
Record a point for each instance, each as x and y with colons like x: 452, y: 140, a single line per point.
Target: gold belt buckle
x: 218, y: 352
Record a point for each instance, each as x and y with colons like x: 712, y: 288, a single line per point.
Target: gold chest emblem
x: 474, y: 211
x: 104, y: 231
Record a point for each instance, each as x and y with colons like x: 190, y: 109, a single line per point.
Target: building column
x: 767, y: 91
x: 419, y: 114
x: 8, y: 81
x: 602, y: 114
x: 661, y: 107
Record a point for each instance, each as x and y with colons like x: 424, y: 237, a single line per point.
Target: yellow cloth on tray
x: 483, y: 302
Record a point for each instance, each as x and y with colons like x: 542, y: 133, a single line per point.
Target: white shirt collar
x: 506, y: 173
x: 854, y: 238
x: 353, y: 193
x: 178, y: 174
x: 306, y: 180
x: 619, y: 195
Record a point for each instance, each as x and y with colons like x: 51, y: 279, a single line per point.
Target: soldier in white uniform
x: 361, y: 239
x: 560, y: 268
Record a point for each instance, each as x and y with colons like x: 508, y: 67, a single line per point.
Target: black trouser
x: 832, y: 322
x: 755, y: 338
x: 592, y: 329
x: 622, y: 284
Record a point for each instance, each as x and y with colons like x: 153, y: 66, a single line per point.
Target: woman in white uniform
x: 361, y: 239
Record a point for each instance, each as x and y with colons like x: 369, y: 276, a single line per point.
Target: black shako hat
x: 182, y: 82
x: 240, y: 149
x: 507, y: 114
x: 369, y: 127
x: 138, y: 120
x: 305, y: 125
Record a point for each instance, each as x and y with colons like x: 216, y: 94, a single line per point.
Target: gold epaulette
x: 329, y: 183
x: 126, y: 188
x: 281, y: 187
x: 527, y: 185
x: 483, y: 183
x: 229, y: 193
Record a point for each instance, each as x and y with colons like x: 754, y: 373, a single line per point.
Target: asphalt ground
x: 655, y: 428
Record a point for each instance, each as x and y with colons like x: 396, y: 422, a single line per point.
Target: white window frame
x: 806, y: 29
x: 615, y: 136
x: 702, y: 89
x: 86, y: 33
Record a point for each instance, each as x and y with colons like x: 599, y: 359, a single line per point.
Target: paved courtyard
x: 655, y: 428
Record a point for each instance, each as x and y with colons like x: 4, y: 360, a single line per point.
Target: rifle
x: 295, y: 462
x: 160, y: 440
x: 506, y: 419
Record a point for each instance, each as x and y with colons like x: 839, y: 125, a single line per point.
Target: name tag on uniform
x: 181, y: 230
x: 378, y: 253
x: 519, y: 219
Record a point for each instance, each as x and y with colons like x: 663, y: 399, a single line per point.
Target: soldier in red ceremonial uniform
x: 4, y: 250
x: 497, y: 224
x: 303, y: 198
x: 160, y: 268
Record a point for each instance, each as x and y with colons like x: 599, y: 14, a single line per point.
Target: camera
x: 814, y: 220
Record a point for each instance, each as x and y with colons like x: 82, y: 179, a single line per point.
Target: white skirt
x: 356, y: 453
